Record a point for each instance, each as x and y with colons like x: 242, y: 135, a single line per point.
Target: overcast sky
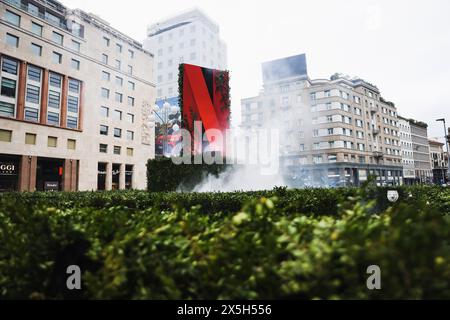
x: 402, y: 46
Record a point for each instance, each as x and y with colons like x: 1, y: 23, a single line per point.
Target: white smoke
x: 240, y: 178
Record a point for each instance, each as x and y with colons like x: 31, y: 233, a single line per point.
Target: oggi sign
x: 8, y: 169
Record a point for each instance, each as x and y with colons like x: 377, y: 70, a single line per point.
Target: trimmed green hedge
x: 164, y: 175
x: 299, y: 244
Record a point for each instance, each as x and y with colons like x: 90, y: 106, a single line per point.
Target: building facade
x: 421, y: 151
x: 75, y: 101
x: 439, y: 162
x: 190, y: 37
x: 409, y: 174
x: 334, y: 132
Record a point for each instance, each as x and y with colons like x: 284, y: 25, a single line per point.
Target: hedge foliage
x: 164, y: 175
x: 298, y: 244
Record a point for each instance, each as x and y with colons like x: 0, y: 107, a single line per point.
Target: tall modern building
x: 335, y: 131
x: 190, y: 37
x: 74, y: 103
x: 409, y: 174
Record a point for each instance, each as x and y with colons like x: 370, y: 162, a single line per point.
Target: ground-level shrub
x: 299, y: 244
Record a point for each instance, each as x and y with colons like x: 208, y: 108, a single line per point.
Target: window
x: 72, y: 104
x: 103, y: 148
x: 118, y: 64
x: 117, y: 150
x: 313, y: 96
x: 31, y: 114
x: 56, y: 57
x: 74, y: 86
x: 103, y: 130
x: 53, y: 118
x: 130, y: 70
x: 7, y: 109
x: 71, y: 144
x: 160, y: 52
x: 131, y: 54
x: 106, y: 41
x: 12, y: 18
x: 75, y: 46
x: 36, y: 50
x: 72, y: 122
x: 104, y: 112
x: 32, y: 94
x: 106, y: 76
x: 53, y: 99
x: 75, y: 64
x: 130, y: 117
x: 52, y: 142
x: 131, y: 85
x: 34, y: 74
x: 130, y: 135
x: 57, y: 38
x: 170, y: 76
x: 119, y: 81
x: 131, y: 101
x: 36, y: 29
x: 118, y: 48
x: 105, y: 58
x: 117, y: 115
x: 317, y: 159
x: 8, y: 88
x: 327, y: 93
x: 331, y: 131
x: 105, y: 93
x: 9, y: 66
x: 30, y: 138
x: 118, y: 97
x: 332, y: 158
x: 130, y: 152
x: 193, y: 56
x: 160, y: 65
x: 117, y: 133
x: 11, y: 40
x: 5, y: 135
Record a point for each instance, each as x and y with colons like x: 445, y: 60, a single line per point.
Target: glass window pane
x: 8, y: 88
x: 12, y: 18
x: 11, y: 40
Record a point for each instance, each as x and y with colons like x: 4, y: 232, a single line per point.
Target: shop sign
x: 8, y: 169
x: 51, y: 185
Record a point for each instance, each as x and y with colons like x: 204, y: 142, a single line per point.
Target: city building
x: 190, y: 37
x: 421, y: 151
x: 75, y: 101
x: 439, y: 162
x: 335, y: 131
x: 409, y: 174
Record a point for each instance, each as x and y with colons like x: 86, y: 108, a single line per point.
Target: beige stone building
x: 335, y: 131
x: 439, y: 161
x: 75, y: 101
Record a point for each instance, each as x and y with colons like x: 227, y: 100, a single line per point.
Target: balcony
x: 59, y: 22
x: 373, y: 109
x: 375, y: 132
x: 378, y: 154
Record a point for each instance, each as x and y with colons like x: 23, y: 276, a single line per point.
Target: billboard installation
x: 204, y: 96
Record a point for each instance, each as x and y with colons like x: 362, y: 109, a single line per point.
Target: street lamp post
x: 446, y: 137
